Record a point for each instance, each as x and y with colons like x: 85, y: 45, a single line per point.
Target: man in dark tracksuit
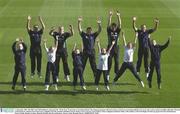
x: 113, y: 32
x: 62, y: 49
x: 78, y: 67
x: 88, y: 40
x: 35, y: 48
x: 143, y: 48
x: 156, y: 50
x: 19, y: 49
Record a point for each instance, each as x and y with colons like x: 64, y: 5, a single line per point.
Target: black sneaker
x: 13, y: 87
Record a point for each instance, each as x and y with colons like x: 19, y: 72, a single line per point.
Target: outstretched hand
x: 80, y: 18
x: 113, y: 42
x: 99, y: 20
x: 110, y: 13
x: 118, y: 13
x: 45, y: 40
x: 134, y: 18
x: 169, y: 38
x: 156, y: 20
x: 29, y: 17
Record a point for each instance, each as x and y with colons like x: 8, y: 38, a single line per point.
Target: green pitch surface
x: 127, y: 93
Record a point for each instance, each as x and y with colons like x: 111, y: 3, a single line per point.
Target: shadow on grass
x: 66, y: 92
x: 64, y: 83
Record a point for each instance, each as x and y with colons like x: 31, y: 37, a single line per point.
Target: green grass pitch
x: 13, y: 15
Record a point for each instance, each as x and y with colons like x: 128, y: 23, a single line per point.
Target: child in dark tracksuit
x: 156, y: 50
x: 51, y: 56
x: 19, y: 49
x: 78, y: 67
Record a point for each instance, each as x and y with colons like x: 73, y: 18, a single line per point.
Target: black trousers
x: 105, y: 74
x: 35, y: 56
x: 92, y: 60
x: 124, y: 66
x: 158, y: 71
x: 78, y: 71
x: 114, y: 54
x: 62, y: 54
x: 22, y: 70
x: 50, y: 68
x: 143, y: 52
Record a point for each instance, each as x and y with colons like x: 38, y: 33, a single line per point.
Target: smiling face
x: 130, y: 45
x: 143, y: 27
x: 103, y: 50
x: 61, y: 29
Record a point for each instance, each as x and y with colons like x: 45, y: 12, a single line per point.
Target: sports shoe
x: 39, y: 74
x: 13, y: 87
x: 46, y: 87
x: 108, y: 77
x: 142, y: 84
x: 24, y: 87
x: 32, y: 75
x: 107, y: 88
x: 147, y: 75
x: 55, y: 86
x: 159, y: 86
x: 67, y: 78
x: 97, y: 89
x: 84, y: 88
x: 138, y: 73
x: 57, y: 79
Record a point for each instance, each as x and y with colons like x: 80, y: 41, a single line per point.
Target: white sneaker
x: 108, y: 77
x: 84, y: 87
x: 97, y: 88
x: 147, y: 75
x: 57, y: 79
x: 138, y: 73
x: 24, y: 87
x: 142, y: 84
x: 67, y: 78
x: 55, y: 86
x: 107, y: 88
x: 46, y: 87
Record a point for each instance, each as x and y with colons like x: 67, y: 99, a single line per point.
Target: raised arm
x: 99, y: 46
x: 124, y: 39
x: 71, y: 30
x: 42, y: 23
x: 156, y: 20
x: 56, y: 44
x: 134, y: 24
x: 135, y: 38
x: 79, y: 25
x: 45, y: 46
x: 109, y: 50
x: 99, y: 26
x: 74, y: 48
x: 110, y: 18
x: 82, y: 47
x: 119, y: 19
x: 28, y: 23
x: 52, y: 31
x: 162, y: 47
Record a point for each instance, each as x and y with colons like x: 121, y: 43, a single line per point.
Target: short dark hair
x: 89, y: 28
x: 114, y: 24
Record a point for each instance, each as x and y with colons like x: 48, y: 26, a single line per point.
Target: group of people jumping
x: 87, y: 51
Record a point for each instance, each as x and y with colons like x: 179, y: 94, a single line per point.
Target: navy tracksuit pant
x: 36, y: 57
x: 105, y: 74
x: 155, y: 65
x: 143, y: 52
x: 130, y: 66
x: 50, y: 68
x: 114, y: 54
x: 78, y: 71
x: 19, y: 69
x: 62, y: 54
